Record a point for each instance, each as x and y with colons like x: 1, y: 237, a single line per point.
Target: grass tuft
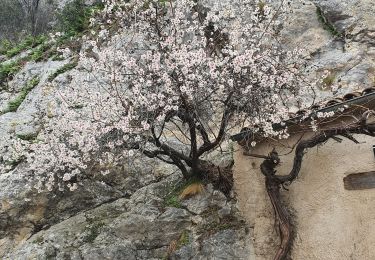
x: 14, y: 104
x: 178, y: 243
x: 63, y: 69
x: 182, y: 191
x: 325, y: 23
x: 191, y: 190
x: 5, y: 45
x: 28, y: 43
x: 8, y: 70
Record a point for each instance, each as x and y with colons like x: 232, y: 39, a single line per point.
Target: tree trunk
x: 220, y: 177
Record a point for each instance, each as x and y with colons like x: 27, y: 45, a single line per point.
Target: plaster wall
x: 331, y: 222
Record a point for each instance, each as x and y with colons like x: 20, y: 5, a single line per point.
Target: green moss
x: 27, y: 137
x: 93, y: 231
x: 173, y: 201
x: 329, y: 79
x: 63, y: 69
x: 13, y: 163
x: 38, y: 240
x: 15, y: 103
x: 325, y: 23
x: 147, y: 4
x: 56, y: 57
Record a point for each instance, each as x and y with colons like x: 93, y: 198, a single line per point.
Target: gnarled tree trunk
x: 220, y: 177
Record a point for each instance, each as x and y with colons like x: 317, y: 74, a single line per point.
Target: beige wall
x: 332, y: 223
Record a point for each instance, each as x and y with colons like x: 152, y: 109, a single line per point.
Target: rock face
x: 349, y: 17
x: 339, y: 38
x: 143, y: 226
x: 130, y: 214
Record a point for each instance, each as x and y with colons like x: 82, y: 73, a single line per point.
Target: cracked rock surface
x: 142, y: 226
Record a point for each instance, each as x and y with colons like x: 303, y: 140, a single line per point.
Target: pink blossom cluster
x: 166, y: 66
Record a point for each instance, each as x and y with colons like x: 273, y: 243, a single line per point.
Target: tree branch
x: 169, y: 150
x: 203, y: 133
x: 321, y: 138
x: 223, y: 125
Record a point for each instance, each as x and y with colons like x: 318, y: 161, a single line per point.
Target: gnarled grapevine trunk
x: 282, y: 216
x: 285, y: 227
x: 274, y: 182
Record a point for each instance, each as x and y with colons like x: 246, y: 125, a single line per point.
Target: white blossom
x: 164, y: 64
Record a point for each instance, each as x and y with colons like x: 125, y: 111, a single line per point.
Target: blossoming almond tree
x: 171, y: 79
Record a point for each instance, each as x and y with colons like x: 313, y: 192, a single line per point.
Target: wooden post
x: 360, y: 181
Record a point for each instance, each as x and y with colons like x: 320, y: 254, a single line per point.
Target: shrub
x: 74, y: 18
x: 27, y: 43
x: 5, y: 45
x: 8, y: 70
x: 40, y: 53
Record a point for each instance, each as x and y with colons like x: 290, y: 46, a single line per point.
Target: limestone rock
x: 128, y: 229
x: 206, y: 200
x: 348, y: 16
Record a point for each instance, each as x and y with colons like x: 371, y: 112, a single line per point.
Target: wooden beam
x: 360, y: 181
